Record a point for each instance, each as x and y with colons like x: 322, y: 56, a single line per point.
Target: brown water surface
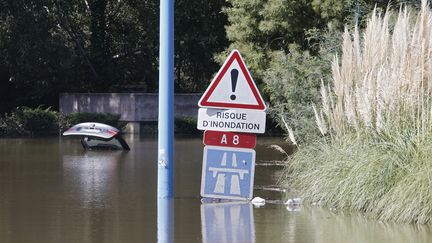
x: 51, y: 190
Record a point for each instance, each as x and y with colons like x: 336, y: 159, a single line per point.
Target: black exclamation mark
x: 234, y: 76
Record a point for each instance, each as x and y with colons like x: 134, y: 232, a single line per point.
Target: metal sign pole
x: 165, y: 209
x: 166, y: 100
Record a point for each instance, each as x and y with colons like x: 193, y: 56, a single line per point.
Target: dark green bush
x: 293, y: 83
x: 30, y: 121
x: 25, y: 121
x: 186, y: 125
x: 11, y: 126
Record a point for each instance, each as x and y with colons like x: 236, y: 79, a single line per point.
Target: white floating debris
x: 258, y: 201
x: 294, y: 202
x: 293, y: 208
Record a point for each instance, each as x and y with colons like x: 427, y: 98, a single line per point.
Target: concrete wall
x: 132, y: 107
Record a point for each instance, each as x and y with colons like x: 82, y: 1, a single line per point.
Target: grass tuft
x: 385, y: 176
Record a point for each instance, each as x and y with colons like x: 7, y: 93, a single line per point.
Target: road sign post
x: 232, y: 110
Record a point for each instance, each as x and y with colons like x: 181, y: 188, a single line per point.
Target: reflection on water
x: 327, y: 226
x: 51, y: 190
x: 165, y: 222
x: 227, y: 222
x: 91, y: 178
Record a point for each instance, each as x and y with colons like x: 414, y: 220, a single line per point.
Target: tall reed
x: 383, y: 77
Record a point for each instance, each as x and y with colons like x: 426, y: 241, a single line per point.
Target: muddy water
x: 53, y: 191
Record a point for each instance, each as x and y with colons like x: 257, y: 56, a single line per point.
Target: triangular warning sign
x: 233, y: 87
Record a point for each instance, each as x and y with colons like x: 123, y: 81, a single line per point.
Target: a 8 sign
x: 229, y: 139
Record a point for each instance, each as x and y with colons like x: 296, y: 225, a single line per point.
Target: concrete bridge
x: 132, y: 107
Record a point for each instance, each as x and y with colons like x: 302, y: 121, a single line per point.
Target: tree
x: 52, y: 46
x: 199, y: 34
x: 260, y: 28
x: 35, y: 58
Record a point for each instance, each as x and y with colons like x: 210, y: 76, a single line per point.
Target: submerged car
x: 98, y: 136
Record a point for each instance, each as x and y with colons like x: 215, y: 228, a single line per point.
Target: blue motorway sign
x: 228, y: 173
x: 227, y: 222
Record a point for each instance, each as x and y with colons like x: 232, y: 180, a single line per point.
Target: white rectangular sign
x: 249, y: 121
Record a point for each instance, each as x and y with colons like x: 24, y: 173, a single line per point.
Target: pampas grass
x: 384, y: 75
x: 378, y: 111
x: 290, y: 131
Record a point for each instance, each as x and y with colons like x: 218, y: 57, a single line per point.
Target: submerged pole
x: 166, y: 100
x: 165, y: 184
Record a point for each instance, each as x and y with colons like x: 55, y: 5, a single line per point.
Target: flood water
x: 51, y: 190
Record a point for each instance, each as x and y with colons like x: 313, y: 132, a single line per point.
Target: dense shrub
x: 28, y: 121
x: 293, y: 83
x: 25, y: 121
x: 186, y: 126
x: 10, y: 125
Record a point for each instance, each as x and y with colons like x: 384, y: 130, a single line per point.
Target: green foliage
x: 186, y: 126
x: 258, y: 28
x: 28, y: 121
x: 11, y: 125
x: 200, y: 33
x: 293, y: 82
x: 39, y: 120
x: 106, y: 118
x: 338, y: 13
x: 33, y: 54
x: 48, y: 47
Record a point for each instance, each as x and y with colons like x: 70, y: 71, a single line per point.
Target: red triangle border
x: 235, y: 55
